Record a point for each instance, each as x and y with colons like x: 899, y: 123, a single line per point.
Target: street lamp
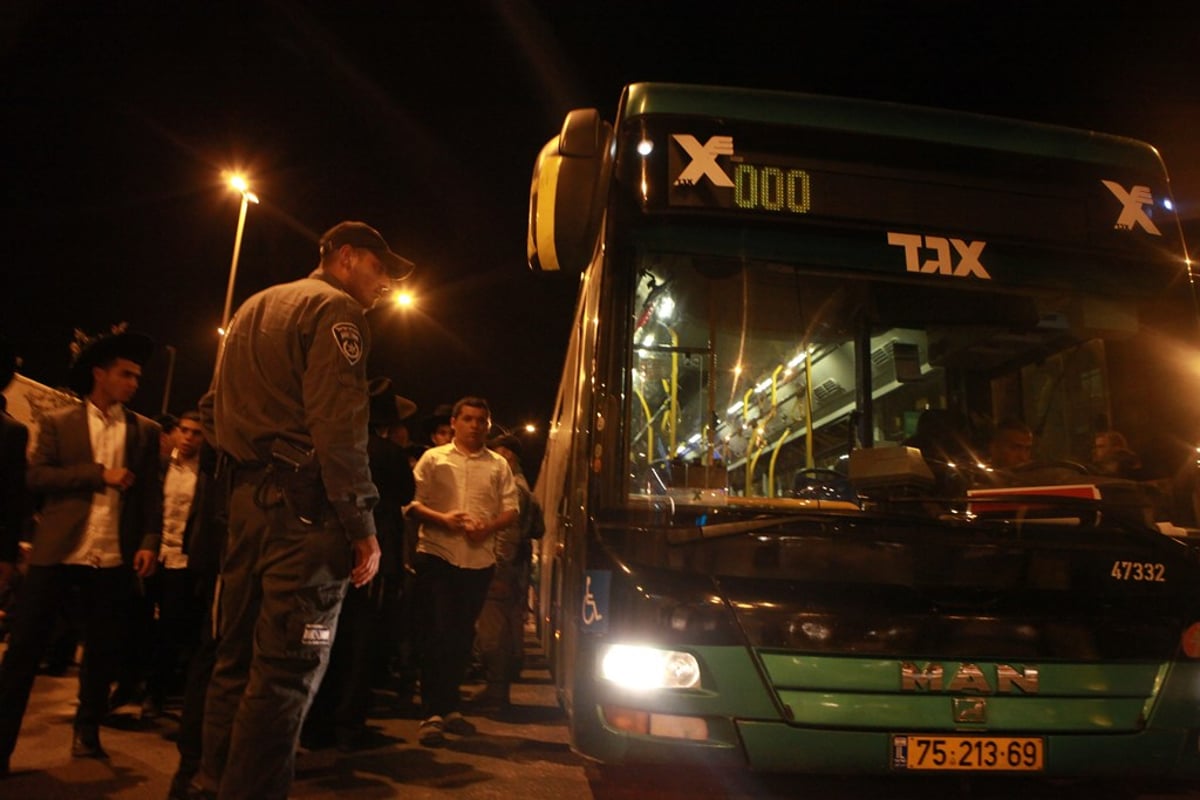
x: 238, y: 184
x: 404, y: 298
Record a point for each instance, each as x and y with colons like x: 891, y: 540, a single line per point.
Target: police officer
x: 288, y: 407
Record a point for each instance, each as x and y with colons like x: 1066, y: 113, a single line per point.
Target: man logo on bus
x: 943, y: 263
x: 966, y: 677
x: 704, y: 159
x: 1133, y: 207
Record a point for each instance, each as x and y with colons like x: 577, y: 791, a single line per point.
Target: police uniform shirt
x: 293, y: 366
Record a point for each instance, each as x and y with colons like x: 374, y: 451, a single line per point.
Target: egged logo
x: 704, y: 159
x: 1133, y: 207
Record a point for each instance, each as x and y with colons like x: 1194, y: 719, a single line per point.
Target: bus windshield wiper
x: 695, y: 533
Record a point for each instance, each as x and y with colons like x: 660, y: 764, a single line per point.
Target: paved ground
x: 525, y: 755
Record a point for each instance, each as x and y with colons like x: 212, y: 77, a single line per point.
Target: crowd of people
x: 270, y: 556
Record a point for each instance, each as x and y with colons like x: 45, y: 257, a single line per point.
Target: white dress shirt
x: 179, y: 489
x: 101, y: 542
x: 450, y: 480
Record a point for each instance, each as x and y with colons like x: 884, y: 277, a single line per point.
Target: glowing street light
x: 404, y: 298
x: 238, y: 184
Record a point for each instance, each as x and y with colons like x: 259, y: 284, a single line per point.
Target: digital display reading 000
x: 714, y: 174
x: 771, y: 189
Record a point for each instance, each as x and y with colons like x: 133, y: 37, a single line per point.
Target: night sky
x: 424, y: 119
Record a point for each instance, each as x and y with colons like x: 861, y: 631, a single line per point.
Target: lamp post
x: 238, y: 183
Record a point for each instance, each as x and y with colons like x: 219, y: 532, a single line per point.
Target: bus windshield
x: 747, y: 376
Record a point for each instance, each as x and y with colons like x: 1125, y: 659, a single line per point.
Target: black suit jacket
x: 14, y: 503
x: 204, y: 536
x: 64, y: 470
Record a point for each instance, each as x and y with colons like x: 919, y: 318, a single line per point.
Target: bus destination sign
x: 711, y: 174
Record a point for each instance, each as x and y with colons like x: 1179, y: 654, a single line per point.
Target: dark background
x: 424, y: 119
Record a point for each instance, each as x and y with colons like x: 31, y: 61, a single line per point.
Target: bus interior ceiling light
x: 666, y: 308
x: 645, y: 668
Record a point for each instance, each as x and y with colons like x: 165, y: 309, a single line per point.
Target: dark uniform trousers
x: 282, y: 584
x: 104, y: 600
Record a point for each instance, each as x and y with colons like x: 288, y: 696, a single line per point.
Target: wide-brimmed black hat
x: 506, y: 440
x: 87, y: 352
x: 387, y: 407
x: 439, y: 417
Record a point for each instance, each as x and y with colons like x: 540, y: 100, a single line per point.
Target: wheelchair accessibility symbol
x: 594, y: 610
x: 591, y: 613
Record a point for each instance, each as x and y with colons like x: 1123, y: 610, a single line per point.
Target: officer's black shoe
x: 86, y: 744
x: 4, y: 769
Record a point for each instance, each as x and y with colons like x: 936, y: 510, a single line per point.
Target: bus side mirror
x: 568, y: 194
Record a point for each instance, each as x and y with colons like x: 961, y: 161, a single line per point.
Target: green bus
x: 775, y: 538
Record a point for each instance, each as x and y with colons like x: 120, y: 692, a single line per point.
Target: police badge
x: 349, y: 341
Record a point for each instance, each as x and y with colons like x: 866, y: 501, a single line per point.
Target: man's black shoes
x: 86, y: 744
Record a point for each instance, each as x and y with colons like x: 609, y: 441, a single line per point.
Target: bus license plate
x: 967, y: 753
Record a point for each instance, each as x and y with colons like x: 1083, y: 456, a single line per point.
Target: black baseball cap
x: 360, y: 234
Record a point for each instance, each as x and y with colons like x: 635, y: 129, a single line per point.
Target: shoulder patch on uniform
x: 316, y: 635
x: 349, y: 341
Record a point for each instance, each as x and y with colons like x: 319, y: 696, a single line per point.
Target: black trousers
x: 282, y: 584
x: 176, y: 631
x: 105, y: 596
x: 448, y: 600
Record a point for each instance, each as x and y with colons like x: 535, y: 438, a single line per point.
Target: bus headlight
x: 644, y: 668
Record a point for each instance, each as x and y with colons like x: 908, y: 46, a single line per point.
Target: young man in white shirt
x: 173, y: 588
x: 465, y: 495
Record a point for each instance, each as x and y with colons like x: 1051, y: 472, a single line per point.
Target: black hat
x: 87, y: 352
x: 439, y: 417
x: 506, y: 440
x: 360, y: 234
x: 388, y: 408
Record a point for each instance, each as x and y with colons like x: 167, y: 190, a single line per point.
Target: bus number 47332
x: 1139, y: 571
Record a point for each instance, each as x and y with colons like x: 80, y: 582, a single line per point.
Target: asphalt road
x: 525, y: 755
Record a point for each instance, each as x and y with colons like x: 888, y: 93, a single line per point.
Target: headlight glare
x: 644, y: 668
